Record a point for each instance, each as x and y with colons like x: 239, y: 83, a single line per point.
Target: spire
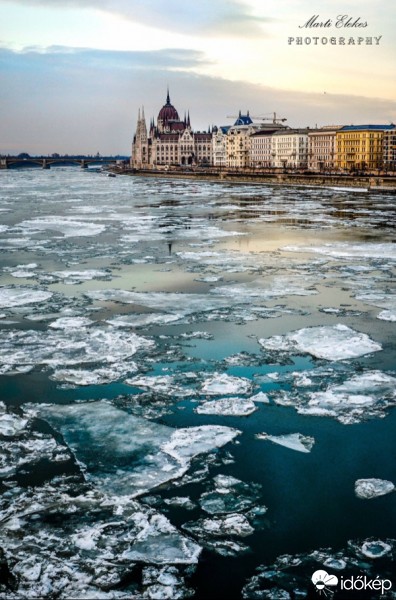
x: 139, y: 114
x: 167, y: 96
x: 188, y: 119
x: 143, y: 112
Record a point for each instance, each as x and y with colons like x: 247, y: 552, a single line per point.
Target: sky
x: 74, y: 73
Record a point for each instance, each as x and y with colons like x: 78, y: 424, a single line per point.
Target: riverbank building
x: 169, y: 142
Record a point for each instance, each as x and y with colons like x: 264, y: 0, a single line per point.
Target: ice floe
x: 362, y: 396
x: 184, y: 304
x: 373, y: 488
x: 375, y: 549
x: 67, y: 226
x: 345, y: 250
x: 279, y: 287
x: 68, y: 540
x: 23, y: 446
x: 160, y: 384
x: 381, y: 300
x: 136, y: 455
x: 333, y: 342
x: 231, y: 524
x: 71, y: 323
x: 73, y: 277
x: 67, y: 347
x: 294, y: 441
x: 221, y: 383
x: 237, y: 407
x: 19, y: 296
x: 230, y: 495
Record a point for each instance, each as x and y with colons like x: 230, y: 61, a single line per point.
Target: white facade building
x: 290, y: 149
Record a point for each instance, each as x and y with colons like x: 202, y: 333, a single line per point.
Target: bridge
x: 45, y: 162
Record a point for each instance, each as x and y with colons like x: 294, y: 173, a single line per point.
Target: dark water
x: 240, y: 263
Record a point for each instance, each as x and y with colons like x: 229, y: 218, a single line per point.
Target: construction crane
x: 274, y: 118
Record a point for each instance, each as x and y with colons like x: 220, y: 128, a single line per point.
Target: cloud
x: 85, y: 100
x: 206, y: 17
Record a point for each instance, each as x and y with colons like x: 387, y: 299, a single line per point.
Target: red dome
x: 168, y: 112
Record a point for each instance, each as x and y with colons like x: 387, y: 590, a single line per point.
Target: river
x: 197, y: 382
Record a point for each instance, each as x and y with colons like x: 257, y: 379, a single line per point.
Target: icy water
x: 197, y: 382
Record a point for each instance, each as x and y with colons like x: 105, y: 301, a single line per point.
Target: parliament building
x: 169, y: 142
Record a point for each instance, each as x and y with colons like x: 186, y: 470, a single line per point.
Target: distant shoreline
x: 380, y: 183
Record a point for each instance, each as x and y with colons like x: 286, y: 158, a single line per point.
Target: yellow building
x: 360, y: 147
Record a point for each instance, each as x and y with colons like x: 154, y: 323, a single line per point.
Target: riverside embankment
x: 384, y: 183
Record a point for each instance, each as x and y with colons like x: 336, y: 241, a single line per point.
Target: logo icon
x: 323, y: 582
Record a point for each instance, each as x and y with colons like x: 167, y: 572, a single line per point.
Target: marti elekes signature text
x: 347, y: 23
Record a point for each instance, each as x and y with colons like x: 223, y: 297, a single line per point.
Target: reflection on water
x: 150, y: 298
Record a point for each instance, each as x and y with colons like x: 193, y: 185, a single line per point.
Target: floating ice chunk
x: 231, y: 524
x: 79, y: 276
x: 181, y: 501
x: 136, y: 455
x: 237, y: 407
x: 65, y: 225
x: 221, y: 383
x: 187, y: 443
x: 387, y: 315
x: 156, y: 383
x: 335, y: 563
x: 260, y: 397
x: 381, y: 300
x: 21, y: 274
x: 372, y: 488
x: 336, y: 342
x: 184, y: 304
x: 70, y: 323
x: 164, y: 583
x: 58, y: 348
x: 98, y: 376
x: 159, y: 542
x: 348, y: 251
x: 71, y: 541
x: 369, y: 393
x: 10, y: 297
x: 294, y: 441
x: 278, y: 287
x: 10, y: 424
x: 375, y: 549
x: 230, y: 495
x: 160, y: 384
